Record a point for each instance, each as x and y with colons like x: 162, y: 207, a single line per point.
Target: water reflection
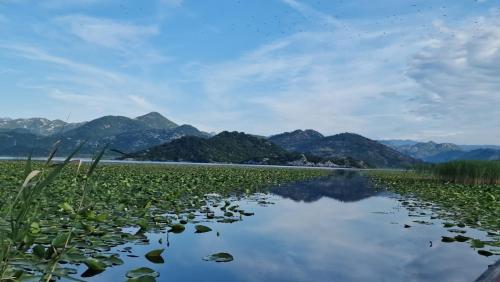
x: 345, y: 186
x: 328, y: 230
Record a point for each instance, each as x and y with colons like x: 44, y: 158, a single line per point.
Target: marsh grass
x: 464, y: 172
x: 17, y: 234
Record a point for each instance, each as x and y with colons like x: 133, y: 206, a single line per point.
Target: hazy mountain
x: 479, y: 154
x: 397, y: 142
x: 443, y: 152
x: 475, y: 147
x: 295, y: 140
x: 423, y: 151
x: 38, y: 126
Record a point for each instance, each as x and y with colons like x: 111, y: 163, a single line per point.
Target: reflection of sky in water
x: 316, y: 238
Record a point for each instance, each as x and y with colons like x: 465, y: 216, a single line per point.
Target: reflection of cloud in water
x: 345, y: 186
x: 335, y: 233
x: 328, y: 240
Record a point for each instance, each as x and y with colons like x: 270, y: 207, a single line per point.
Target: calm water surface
x: 334, y: 229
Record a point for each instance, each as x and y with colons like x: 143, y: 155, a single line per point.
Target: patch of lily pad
x: 459, y: 205
x: 142, y: 198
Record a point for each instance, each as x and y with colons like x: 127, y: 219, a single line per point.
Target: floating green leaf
x: 475, y: 243
x: 202, y: 229
x: 177, y: 228
x: 447, y: 239
x: 95, y: 264
x: 219, y: 257
x: 155, y: 256
x: 142, y: 271
x: 485, y: 253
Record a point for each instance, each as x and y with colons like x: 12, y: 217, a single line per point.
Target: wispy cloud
x: 106, y: 32
x: 458, y: 74
x: 83, y: 87
x: 394, y: 83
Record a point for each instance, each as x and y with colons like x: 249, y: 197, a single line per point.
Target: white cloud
x: 313, y: 14
x: 106, y: 32
x: 384, y: 82
x: 89, y: 91
x: 458, y: 75
x: 141, y: 102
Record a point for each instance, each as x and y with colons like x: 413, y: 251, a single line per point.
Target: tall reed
x: 465, y: 171
x: 22, y: 213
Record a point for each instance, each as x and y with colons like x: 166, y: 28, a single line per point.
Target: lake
x: 333, y: 229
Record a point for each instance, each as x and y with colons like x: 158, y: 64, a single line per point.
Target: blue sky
x: 425, y: 70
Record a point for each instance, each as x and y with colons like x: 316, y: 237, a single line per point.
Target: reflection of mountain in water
x: 345, y: 186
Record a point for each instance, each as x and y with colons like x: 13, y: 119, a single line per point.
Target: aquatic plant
x: 76, y: 219
x: 464, y: 171
x: 474, y: 205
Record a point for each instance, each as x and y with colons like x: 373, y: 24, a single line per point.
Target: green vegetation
x: 465, y: 172
x: 463, y: 205
x: 74, y: 213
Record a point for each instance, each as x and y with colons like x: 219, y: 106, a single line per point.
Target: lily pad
x: 39, y: 251
x: 95, y: 264
x: 142, y: 271
x: 202, y: 229
x: 475, y: 243
x: 485, y: 253
x: 154, y: 256
x: 219, y: 257
x: 461, y: 238
x: 447, y: 239
x: 177, y: 228
x: 145, y: 278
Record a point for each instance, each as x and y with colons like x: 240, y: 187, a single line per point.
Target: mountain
x: 17, y: 142
x: 120, y: 133
x: 155, y: 120
x: 423, y: 151
x: 38, y: 126
x: 360, y: 148
x: 478, y: 154
x: 233, y: 147
x: 295, y: 140
x: 106, y: 126
x: 132, y: 141
x: 475, y: 147
x: 443, y: 152
x: 225, y: 147
x: 345, y: 145
x: 397, y: 142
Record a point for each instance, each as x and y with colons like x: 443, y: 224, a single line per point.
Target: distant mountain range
x: 120, y: 133
x: 370, y: 152
x: 154, y: 137
x: 443, y: 152
x: 37, y: 126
